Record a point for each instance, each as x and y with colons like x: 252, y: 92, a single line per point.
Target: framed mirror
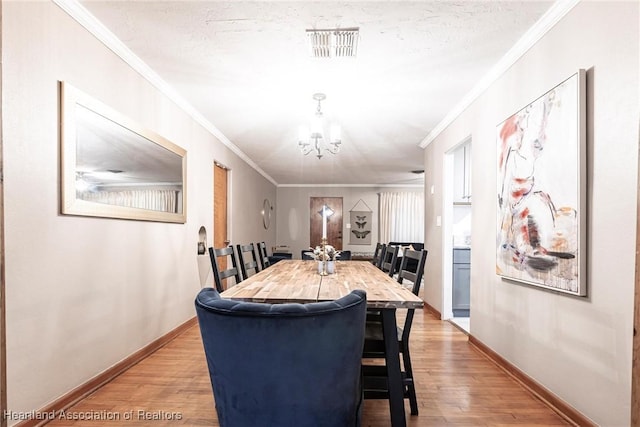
x: 112, y: 167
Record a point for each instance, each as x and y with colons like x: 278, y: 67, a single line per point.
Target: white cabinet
x: 462, y: 174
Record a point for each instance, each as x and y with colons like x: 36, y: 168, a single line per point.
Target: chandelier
x: 315, y: 139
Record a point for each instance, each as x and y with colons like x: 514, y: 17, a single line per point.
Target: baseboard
x: 83, y: 390
x: 458, y: 327
x: 561, y: 407
x: 433, y: 310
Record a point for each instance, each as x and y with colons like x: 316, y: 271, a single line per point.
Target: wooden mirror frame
x: 71, y: 100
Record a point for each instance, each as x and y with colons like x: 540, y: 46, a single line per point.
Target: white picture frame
x: 541, y: 188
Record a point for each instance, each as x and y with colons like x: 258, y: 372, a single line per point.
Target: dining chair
x: 279, y: 256
x: 372, y: 313
x: 284, y: 364
x: 389, y: 257
x: 248, y: 260
x: 387, y: 263
x: 220, y: 274
x: 374, y: 346
x: 377, y: 254
x: 263, y: 257
x: 344, y: 256
x: 307, y: 254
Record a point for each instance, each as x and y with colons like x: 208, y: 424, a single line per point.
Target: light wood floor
x: 457, y: 385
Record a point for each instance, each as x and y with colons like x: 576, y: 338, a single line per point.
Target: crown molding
x: 104, y: 35
x: 551, y: 17
x: 351, y: 185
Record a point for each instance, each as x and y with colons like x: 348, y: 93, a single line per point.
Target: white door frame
x: 447, y: 229
x: 447, y: 235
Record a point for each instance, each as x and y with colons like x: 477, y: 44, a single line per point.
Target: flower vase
x: 331, y: 267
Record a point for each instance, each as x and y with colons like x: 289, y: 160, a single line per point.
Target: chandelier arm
x: 317, y: 141
x: 305, y: 147
x: 334, y: 148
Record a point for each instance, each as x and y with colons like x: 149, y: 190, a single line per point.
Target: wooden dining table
x: 297, y: 281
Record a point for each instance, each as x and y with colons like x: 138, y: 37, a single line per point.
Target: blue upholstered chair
x: 284, y: 364
x: 279, y: 256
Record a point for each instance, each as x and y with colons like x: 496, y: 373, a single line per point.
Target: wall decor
x: 267, y: 211
x: 541, y: 186
x: 112, y: 167
x: 361, y: 222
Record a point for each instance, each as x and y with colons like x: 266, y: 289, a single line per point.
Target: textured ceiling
x: 245, y: 66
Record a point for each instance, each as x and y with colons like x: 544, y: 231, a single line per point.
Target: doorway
x: 457, y: 235
x: 334, y: 221
x: 220, y: 211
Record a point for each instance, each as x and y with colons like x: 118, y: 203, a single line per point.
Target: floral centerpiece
x: 329, y: 253
x: 326, y: 256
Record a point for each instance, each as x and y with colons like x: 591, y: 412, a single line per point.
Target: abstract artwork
x: 541, y: 191
x: 360, y: 228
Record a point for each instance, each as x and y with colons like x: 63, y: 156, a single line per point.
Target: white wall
x: 579, y: 348
x: 85, y: 293
x: 292, y: 213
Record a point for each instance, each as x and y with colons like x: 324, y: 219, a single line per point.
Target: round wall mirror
x: 266, y: 213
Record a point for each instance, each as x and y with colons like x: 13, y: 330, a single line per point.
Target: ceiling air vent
x: 336, y: 43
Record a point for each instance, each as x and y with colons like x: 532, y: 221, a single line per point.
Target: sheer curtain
x: 402, y: 217
x: 156, y: 200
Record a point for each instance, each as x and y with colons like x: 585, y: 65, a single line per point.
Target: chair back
x: 262, y: 255
x: 377, y: 254
x: 284, y: 364
x: 306, y: 254
x: 389, y: 257
x: 415, y: 276
x: 248, y: 260
x: 279, y: 256
x: 220, y: 274
x: 344, y: 256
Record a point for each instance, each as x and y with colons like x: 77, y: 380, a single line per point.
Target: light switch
x: 433, y: 189
x: 348, y: 225
x: 438, y: 221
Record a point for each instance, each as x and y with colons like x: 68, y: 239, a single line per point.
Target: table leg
x: 394, y: 375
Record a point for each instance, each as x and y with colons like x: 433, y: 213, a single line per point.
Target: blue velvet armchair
x: 284, y: 364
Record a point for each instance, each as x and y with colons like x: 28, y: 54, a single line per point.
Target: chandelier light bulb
x: 313, y: 139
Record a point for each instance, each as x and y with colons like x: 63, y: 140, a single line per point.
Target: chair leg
x: 395, y: 384
x: 411, y: 386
